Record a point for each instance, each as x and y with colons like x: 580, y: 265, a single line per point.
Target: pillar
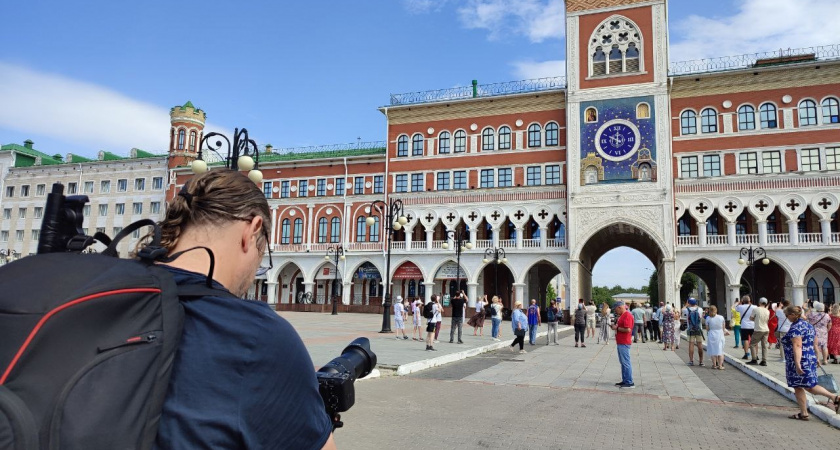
x: 473, y: 235
x: 825, y: 229
x: 543, y: 236
x: 762, y: 232
x: 701, y: 233
x: 274, y: 225
x: 472, y: 291
x: 430, y: 235
x: 430, y: 289
x: 408, y: 234
x: 732, y: 298
x: 730, y: 234
x: 345, y: 293
x: 307, y: 238
x: 495, y: 237
x: 519, y: 232
x: 798, y: 291
x: 272, y: 292
x: 793, y: 232
x: 307, y: 287
x: 519, y: 294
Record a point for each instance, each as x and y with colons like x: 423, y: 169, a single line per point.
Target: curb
x: 823, y: 413
x: 417, y: 366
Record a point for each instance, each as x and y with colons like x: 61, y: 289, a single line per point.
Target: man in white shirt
x: 693, y: 317
x: 745, y: 309
x: 590, y: 319
x: 761, y: 317
x: 783, y: 326
x: 399, y: 318
x: 432, y: 322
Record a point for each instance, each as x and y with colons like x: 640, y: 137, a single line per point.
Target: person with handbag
x: 834, y: 333
x: 519, y: 323
x: 782, y: 327
x: 715, y: 326
x: 669, y: 335
x: 735, y: 324
x: 800, y: 344
x: 822, y: 324
x: 745, y: 309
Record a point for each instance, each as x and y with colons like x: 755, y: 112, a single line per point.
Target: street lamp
x: 752, y: 255
x: 392, y: 213
x: 242, y: 155
x: 496, y: 255
x: 462, y: 242
x: 7, y: 256
x: 337, y: 253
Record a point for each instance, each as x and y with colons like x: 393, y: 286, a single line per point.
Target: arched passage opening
x: 290, y: 284
x: 537, y: 280
x: 497, y: 279
x: 709, y: 286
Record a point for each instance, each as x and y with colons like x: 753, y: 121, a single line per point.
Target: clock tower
x: 619, y: 147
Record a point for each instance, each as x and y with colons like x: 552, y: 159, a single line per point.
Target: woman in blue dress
x: 800, y: 344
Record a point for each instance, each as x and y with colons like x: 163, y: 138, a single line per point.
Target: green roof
x: 78, y: 159
x: 108, y: 156
x: 26, y: 155
x: 279, y: 156
x: 188, y: 105
x: 144, y: 154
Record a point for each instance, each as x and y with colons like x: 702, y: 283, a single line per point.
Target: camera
x: 61, y: 228
x: 335, y: 380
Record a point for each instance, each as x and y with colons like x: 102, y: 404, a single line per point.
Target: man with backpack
x: 692, y: 315
x: 458, y: 303
x: 552, y: 316
x: 430, y: 314
x: 745, y: 309
x: 534, y: 321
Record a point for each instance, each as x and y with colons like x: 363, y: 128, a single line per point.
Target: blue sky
x: 78, y: 77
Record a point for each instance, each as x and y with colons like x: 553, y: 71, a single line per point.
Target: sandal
x: 837, y: 404
x: 799, y: 416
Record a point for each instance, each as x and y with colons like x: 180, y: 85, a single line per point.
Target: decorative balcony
x: 479, y: 246
x: 771, y: 240
x: 754, y: 60
x: 480, y: 91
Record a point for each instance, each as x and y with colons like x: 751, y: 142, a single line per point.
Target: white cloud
x: 759, y: 25
x: 539, y: 20
x: 78, y: 112
x: 527, y: 70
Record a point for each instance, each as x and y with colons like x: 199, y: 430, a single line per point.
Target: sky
x: 79, y: 77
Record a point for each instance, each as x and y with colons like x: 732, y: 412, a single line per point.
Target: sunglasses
x: 262, y: 270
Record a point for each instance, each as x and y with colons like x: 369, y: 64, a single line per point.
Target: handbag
x: 827, y: 381
x: 779, y: 333
x: 520, y: 332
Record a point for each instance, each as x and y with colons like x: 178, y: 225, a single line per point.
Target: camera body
x: 335, y: 380
x: 62, y: 226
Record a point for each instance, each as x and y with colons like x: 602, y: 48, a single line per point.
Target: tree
x: 653, y: 288
x: 688, y: 283
x: 550, y: 293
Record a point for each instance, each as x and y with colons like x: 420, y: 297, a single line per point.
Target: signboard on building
x: 449, y: 271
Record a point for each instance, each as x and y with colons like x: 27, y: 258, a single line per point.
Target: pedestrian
x: 430, y: 312
x: 416, y: 309
x: 735, y: 324
x: 654, y: 323
x: 822, y: 324
x: 477, y: 320
x: 590, y: 319
x: 834, y: 334
x: 669, y: 335
x: 519, y: 324
x: 606, y: 322
x: 773, y: 325
x: 534, y: 321
x: 782, y: 327
x: 638, y: 322
x: 438, y: 318
x: 800, y: 344
x: 458, y: 304
x: 623, y: 336
x: 746, y: 309
x: 580, y: 325
x: 760, y: 316
x: 716, y: 326
x: 551, y: 316
x: 648, y: 321
x: 399, y: 318
x: 496, y: 317
x: 692, y: 315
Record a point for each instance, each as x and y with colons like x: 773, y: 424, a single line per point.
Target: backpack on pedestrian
x: 429, y: 311
x: 693, y: 321
x: 551, y: 316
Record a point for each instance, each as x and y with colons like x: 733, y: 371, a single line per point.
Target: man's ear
x: 251, y: 231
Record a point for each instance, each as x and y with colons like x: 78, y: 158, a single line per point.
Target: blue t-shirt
x: 241, y: 379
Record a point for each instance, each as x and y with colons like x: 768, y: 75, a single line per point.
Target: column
x: 430, y: 289
x: 274, y: 225
x: 730, y: 234
x: 762, y: 232
x: 793, y: 232
x: 732, y: 298
x: 272, y: 293
x: 473, y: 235
x: 825, y: 228
x: 701, y: 233
x: 309, y: 228
x: 472, y: 291
x: 519, y: 232
x: 430, y: 235
x: 543, y: 237
x: 345, y: 293
x: 347, y: 224
x: 408, y: 235
x: 518, y: 294
x: 798, y: 294
x: 495, y: 237
x: 307, y: 287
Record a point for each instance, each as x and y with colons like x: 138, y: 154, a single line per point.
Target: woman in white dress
x: 715, y: 326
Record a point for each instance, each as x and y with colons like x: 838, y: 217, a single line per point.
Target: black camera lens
x: 357, y: 360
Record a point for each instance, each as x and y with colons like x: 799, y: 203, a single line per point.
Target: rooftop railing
x: 323, y: 151
x: 479, y: 90
x: 762, y: 59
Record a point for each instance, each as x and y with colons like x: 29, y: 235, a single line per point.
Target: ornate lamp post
x: 241, y: 155
x: 496, y: 255
x: 462, y: 242
x: 392, y: 213
x: 752, y: 255
x: 337, y: 253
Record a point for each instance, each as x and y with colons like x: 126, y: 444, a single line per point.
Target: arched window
x: 551, y: 134
x: 590, y: 115
x: 335, y: 230
x: 284, y: 233
x: 182, y: 135
x: 192, y: 140
x: 643, y: 111
x: 402, y: 146
x: 361, y: 229
x: 688, y: 122
x: 644, y: 172
x: 417, y: 145
x: 807, y: 113
x: 767, y: 115
x: 831, y: 110
x: 828, y: 292
x: 534, y: 135
x: 511, y: 230
x: 322, y: 230
x: 374, y: 230
x: 412, y: 288
x: 615, y: 47
x: 421, y: 289
x: 560, y: 234
x: 443, y: 143
x: 504, y: 138
x: 535, y: 230
x: 708, y: 121
x: 487, y: 140
x: 813, y: 290
x: 298, y: 236
x: 746, y: 117
x: 460, y: 141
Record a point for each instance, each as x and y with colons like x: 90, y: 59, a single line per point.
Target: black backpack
x: 87, y: 343
x: 429, y: 311
x: 493, y: 312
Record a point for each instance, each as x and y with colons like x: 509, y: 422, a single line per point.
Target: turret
x: 185, y: 133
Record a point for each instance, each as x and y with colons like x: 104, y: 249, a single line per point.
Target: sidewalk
x: 325, y: 336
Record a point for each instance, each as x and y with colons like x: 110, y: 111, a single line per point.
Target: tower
x: 620, y: 183
x: 185, y: 133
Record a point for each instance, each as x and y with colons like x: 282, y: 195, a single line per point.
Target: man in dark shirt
x: 241, y: 377
x: 458, y: 303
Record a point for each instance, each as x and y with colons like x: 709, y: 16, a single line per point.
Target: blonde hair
x: 713, y: 310
x: 793, y: 310
x: 517, y: 305
x: 496, y: 299
x: 835, y: 310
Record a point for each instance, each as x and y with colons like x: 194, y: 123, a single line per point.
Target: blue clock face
x: 617, y: 140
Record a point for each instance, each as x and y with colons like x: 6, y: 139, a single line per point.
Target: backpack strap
x: 131, y: 228
x: 174, y: 256
x: 200, y: 290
